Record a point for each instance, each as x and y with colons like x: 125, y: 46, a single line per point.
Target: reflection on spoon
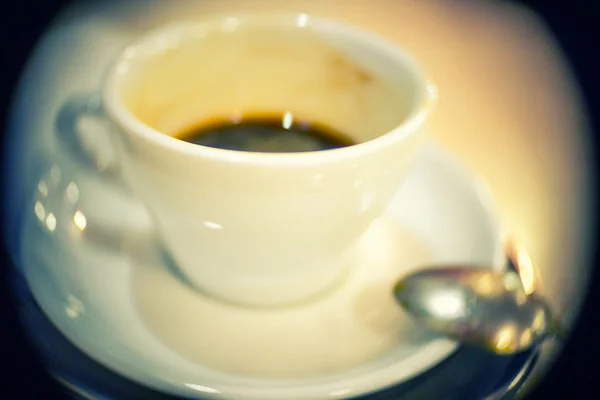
x: 478, y: 306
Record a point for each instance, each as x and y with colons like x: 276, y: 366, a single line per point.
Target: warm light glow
x: 526, y: 272
x: 43, y: 188
x: 200, y: 388
x: 526, y: 337
x: 539, y: 320
x: 448, y: 305
x: 512, y: 282
x: 288, y: 120
x: 40, y: 212
x: 302, y: 20
x: 72, y: 192
x: 505, y: 337
x: 212, y: 225
x: 236, y: 117
x: 432, y: 91
x: 74, y: 307
x: 486, y: 286
x: 51, y: 222
x: 340, y: 392
x: 415, y: 122
x: 80, y: 220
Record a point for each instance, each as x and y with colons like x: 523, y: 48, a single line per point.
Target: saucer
x: 136, y: 316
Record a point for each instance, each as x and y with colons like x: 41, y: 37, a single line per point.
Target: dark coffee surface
x: 270, y: 134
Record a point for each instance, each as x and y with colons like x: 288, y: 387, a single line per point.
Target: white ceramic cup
x: 263, y: 229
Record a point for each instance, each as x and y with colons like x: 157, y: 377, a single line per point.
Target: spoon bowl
x: 477, y: 306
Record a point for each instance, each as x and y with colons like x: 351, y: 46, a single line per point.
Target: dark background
x: 574, y: 23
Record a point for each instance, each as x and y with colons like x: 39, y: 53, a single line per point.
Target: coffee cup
x: 250, y: 227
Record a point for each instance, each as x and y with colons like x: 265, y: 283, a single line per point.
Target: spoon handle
x: 511, y: 388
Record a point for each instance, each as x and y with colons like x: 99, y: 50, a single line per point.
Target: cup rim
x: 426, y: 96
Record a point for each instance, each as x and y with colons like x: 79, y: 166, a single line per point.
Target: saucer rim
x: 335, y: 385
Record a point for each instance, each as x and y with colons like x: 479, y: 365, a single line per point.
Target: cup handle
x: 116, y: 212
x: 69, y: 135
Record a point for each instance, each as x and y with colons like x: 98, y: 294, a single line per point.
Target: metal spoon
x: 479, y: 307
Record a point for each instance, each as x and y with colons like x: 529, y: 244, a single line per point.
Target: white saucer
x: 136, y: 317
